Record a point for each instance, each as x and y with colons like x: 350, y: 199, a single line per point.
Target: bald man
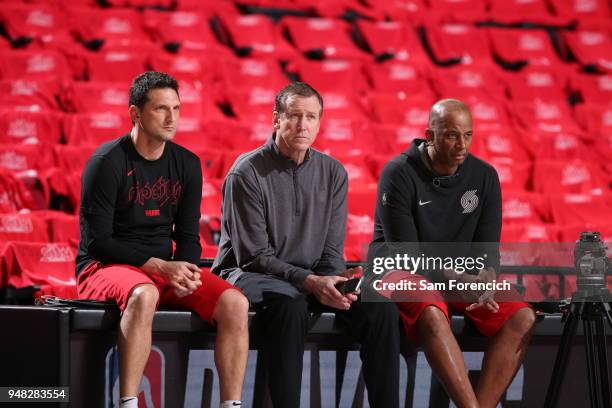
x: 438, y: 192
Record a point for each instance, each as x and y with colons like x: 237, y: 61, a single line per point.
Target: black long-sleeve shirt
x: 283, y: 219
x: 416, y: 205
x: 132, y: 208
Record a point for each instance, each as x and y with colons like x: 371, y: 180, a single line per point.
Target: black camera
x: 591, y: 263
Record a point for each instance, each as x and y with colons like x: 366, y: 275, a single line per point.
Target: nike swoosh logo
x: 424, y: 202
x: 130, y: 172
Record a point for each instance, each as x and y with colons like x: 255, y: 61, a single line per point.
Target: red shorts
x: 487, y: 322
x: 116, y: 282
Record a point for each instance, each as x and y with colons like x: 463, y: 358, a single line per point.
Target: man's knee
x: 292, y: 306
x: 143, y: 300
x: 522, y: 321
x: 433, y: 323
x: 232, y: 309
x: 379, y: 313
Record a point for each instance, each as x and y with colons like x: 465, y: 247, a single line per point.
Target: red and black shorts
x: 115, y: 282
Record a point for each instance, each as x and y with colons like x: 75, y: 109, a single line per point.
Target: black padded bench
x: 68, y: 346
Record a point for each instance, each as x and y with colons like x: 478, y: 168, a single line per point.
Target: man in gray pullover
x: 282, y: 244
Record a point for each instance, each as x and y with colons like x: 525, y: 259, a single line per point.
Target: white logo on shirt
x: 424, y: 202
x: 469, y: 201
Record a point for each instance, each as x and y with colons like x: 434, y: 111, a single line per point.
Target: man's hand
x: 184, y: 277
x: 486, y: 298
x: 323, y: 288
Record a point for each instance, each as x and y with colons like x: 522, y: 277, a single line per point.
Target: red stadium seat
x: 164, y: 4
x: 72, y: 159
x: 256, y: 36
x: 66, y: 186
x: 562, y: 146
x: 47, y: 265
x: 502, y: 144
x: 211, y: 161
x: 84, y: 129
x: 488, y: 115
x: 359, y: 174
x: 43, y: 23
x: 211, y: 198
x: 255, y: 104
x: 188, y: 66
x: 393, y: 39
x: 537, y: 83
x: 459, y: 42
x: 566, y: 177
x: 531, y: 46
x: 413, y: 11
x: 528, y: 232
x: 360, y: 221
x: 550, y: 122
x: 396, y: 138
x: 513, y: 175
x: 198, y: 101
x: 520, y: 11
x: 401, y: 109
x: 376, y: 162
x: 30, y: 127
x: 596, y: 119
x: 62, y: 227
x: 591, y: 48
x: 594, y: 88
x: 582, y: 9
x: 339, y: 136
x: 43, y: 65
x: 243, y: 136
x: 251, y: 73
x: 23, y: 227
x: 459, y: 10
x: 571, y: 232
x: 468, y: 81
x: 327, y: 37
x: 581, y: 209
x: 396, y: 76
x: 188, y: 29
x: 115, y: 66
x: 96, y: 97
x: 14, y: 194
x: 113, y: 25
x: 21, y: 158
x: 35, y: 95
x: 337, y: 76
x: 337, y: 105
x: 521, y: 207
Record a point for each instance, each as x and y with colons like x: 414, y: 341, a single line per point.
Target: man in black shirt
x: 142, y: 192
x: 438, y: 192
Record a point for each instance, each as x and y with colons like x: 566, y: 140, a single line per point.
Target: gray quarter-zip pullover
x: 282, y: 219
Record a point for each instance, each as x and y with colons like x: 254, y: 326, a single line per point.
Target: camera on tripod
x: 590, y: 305
x: 591, y: 263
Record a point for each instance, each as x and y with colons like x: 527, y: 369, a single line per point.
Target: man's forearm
x: 153, y: 266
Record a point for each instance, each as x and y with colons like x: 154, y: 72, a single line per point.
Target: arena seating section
x: 537, y: 75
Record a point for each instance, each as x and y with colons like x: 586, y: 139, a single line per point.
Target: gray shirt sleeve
x: 332, y: 258
x: 244, y: 213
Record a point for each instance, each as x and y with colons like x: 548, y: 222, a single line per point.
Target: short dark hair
x: 295, y: 88
x: 147, y: 81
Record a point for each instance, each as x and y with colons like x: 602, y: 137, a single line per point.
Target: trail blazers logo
x: 469, y: 201
x: 163, y: 191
